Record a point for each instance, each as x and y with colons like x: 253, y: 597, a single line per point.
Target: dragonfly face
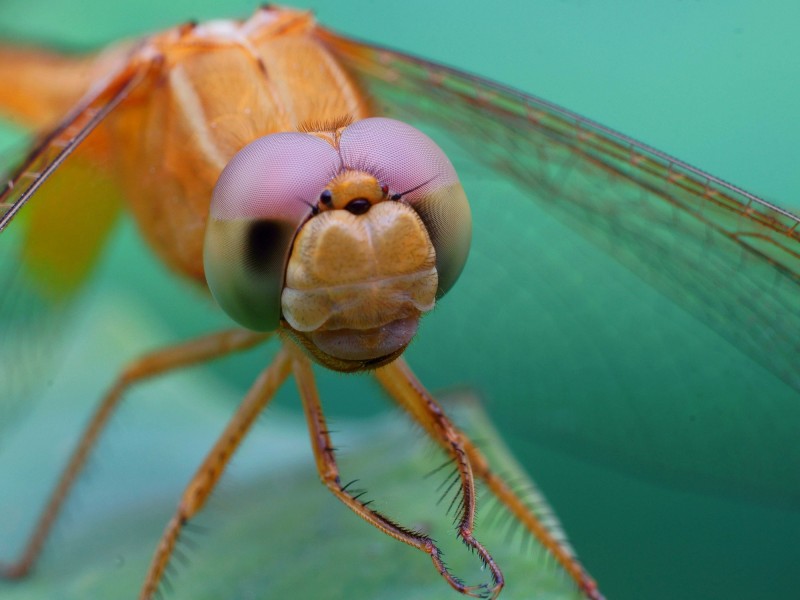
x: 345, y: 237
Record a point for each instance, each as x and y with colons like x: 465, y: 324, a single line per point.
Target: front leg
x: 329, y: 473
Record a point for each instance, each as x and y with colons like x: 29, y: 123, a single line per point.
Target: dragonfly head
x: 341, y: 239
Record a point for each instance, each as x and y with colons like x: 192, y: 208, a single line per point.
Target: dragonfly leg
x: 205, y: 479
x: 156, y: 363
x: 329, y: 473
x: 403, y: 386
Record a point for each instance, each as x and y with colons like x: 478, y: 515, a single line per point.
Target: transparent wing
x: 583, y: 356
x: 47, y: 255
x: 728, y: 256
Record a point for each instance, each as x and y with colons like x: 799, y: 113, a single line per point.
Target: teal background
x: 713, y: 83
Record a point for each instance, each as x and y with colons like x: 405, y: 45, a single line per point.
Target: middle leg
x: 403, y: 386
x: 206, y: 478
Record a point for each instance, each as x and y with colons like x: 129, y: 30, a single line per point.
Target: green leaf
x: 273, y: 531
x: 270, y: 530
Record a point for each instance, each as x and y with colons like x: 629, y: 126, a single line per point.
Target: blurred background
x: 669, y: 455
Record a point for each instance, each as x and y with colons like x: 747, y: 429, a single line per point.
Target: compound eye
x: 418, y: 172
x: 263, y: 196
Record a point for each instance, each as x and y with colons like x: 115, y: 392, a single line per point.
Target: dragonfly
x: 549, y: 167
x: 355, y: 226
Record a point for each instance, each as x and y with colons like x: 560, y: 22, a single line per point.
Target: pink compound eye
x: 261, y: 199
x: 417, y: 171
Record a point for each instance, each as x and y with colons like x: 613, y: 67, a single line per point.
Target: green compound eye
x: 261, y: 199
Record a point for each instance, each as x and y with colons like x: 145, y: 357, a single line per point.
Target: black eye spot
x: 358, y: 206
x: 326, y: 198
x: 265, y: 245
